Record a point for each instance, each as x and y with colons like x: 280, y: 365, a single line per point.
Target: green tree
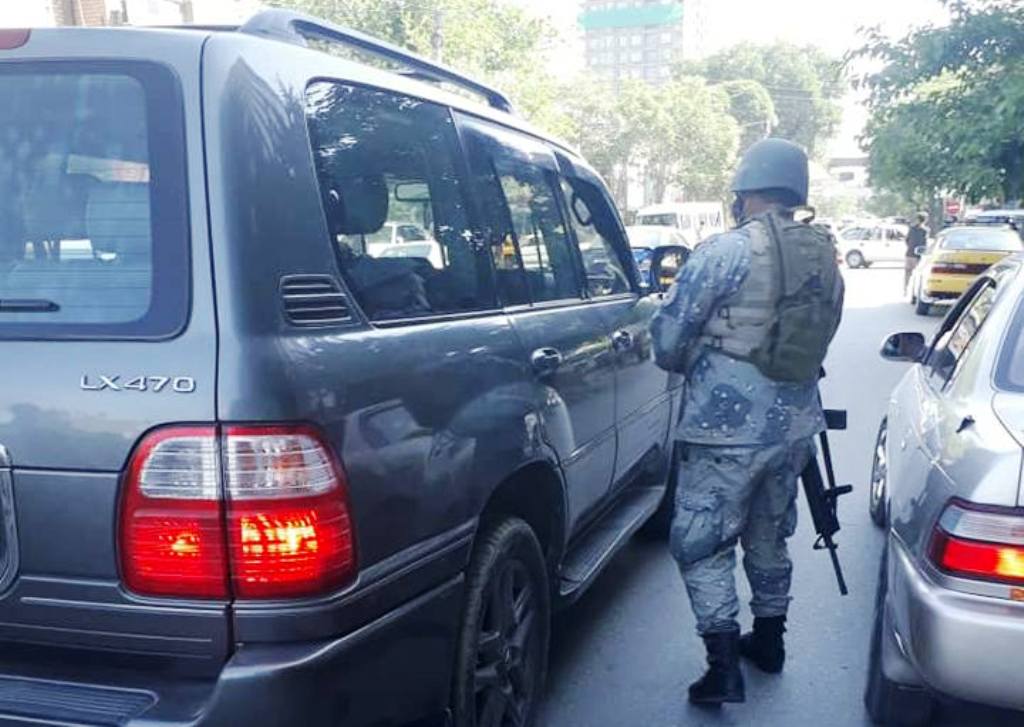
x: 804, y: 83
x: 697, y: 150
x: 752, y: 107
x: 494, y: 39
x: 948, y: 105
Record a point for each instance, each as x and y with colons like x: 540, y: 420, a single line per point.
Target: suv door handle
x: 622, y: 340
x: 546, y: 360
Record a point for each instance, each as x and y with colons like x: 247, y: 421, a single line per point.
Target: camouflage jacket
x: 727, y: 402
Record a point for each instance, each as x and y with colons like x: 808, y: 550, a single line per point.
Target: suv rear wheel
x: 889, y: 703
x: 501, y: 661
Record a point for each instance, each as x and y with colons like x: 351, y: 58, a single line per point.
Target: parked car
x: 254, y: 474
x: 1014, y: 217
x: 428, y: 250
x: 645, y: 239
x: 946, y: 484
x: 863, y: 245
x: 955, y: 259
x: 697, y: 221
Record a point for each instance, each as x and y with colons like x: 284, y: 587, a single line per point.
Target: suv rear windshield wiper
x: 28, y: 305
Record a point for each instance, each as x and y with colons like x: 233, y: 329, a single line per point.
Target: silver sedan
x: 946, y: 483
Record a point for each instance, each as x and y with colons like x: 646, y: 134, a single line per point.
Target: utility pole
x: 437, y: 38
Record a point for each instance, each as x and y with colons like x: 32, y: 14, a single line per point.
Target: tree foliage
x: 948, y: 105
x: 804, y: 84
x: 752, y: 107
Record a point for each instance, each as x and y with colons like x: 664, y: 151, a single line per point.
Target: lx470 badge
x: 155, y: 384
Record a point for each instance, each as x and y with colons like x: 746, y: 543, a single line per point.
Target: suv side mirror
x: 904, y: 347
x: 666, y: 262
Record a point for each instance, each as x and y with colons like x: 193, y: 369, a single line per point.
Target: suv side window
x: 396, y: 204
x: 594, y: 228
x: 516, y: 180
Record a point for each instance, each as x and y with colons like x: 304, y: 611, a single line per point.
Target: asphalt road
x: 624, y: 655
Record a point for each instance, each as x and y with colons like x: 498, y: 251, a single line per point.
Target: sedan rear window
x: 980, y: 238
x: 93, y: 220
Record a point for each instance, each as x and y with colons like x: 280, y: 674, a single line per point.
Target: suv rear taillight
x: 250, y: 512
x: 985, y: 544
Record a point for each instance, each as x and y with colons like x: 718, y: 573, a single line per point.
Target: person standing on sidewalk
x: 916, y: 238
x: 748, y: 322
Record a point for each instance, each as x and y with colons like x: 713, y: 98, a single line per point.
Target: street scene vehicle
x: 695, y: 220
x: 1014, y: 217
x: 863, y: 245
x: 644, y: 240
x: 352, y: 491
x: 945, y: 485
x: 957, y: 256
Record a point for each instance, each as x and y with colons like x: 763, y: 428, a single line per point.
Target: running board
x: 591, y: 553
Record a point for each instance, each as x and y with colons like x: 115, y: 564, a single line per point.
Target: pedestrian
x: 748, y: 322
x: 916, y: 238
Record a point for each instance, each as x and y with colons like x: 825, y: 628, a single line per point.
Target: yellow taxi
x: 957, y: 256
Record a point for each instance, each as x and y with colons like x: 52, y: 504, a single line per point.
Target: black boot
x: 764, y: 646
x: 723, y: 681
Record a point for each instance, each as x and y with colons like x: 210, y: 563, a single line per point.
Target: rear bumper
x: 945, y: 288
x: 959, y: 644
x: 396, y: 670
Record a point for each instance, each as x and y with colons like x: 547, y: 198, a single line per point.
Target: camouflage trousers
x: 727, y: 495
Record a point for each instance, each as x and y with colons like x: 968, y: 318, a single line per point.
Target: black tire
x: 855, y: 259
x: 660, y: 524
x: 502, y: 653
x: 878, y: 491
x: 888, y: 703
x: 922, y: 308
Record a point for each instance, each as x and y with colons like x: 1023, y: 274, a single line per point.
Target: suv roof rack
x: 298, y: 29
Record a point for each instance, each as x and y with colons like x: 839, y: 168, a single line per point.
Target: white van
x: 696, y: 220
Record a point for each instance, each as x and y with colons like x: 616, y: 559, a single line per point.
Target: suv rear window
x: 93, y: 215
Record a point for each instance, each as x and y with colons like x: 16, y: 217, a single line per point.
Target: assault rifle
x: 823, y: 501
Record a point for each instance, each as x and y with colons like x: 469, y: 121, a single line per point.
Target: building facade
x: 642, y: 39
x: 80, y: 12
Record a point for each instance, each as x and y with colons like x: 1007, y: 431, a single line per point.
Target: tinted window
x: 388, y: 171
x: 93, y: 217
x: 954, y: 344
x: 595, y: 228
x: 516, y: 181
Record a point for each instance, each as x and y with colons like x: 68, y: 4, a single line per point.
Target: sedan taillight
x: 984, y: 544
x: 250, y: 512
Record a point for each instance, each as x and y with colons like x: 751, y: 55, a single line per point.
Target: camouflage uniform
x: 746, y: 439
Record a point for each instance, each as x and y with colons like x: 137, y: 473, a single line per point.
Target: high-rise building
x: 642, y: 39
x: 80, y: 12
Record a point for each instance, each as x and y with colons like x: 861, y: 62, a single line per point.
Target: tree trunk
x: 1013, y: 184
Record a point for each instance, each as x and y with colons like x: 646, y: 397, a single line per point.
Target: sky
x: 831, y: 24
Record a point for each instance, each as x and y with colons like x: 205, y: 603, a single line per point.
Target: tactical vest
x: 787, y: 310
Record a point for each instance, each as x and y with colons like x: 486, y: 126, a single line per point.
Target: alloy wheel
x: 508, y: 649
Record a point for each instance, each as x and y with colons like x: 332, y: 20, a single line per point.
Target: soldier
x: 748, y: 322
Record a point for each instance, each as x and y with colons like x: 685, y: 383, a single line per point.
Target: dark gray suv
x: 256, y: 471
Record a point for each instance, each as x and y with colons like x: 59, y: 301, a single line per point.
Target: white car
x: 426, y: 250
x: 864, y: 245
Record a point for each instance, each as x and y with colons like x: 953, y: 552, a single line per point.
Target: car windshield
x: 667, y: 219
x: 980, y: 238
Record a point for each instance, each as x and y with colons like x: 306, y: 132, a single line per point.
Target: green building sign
x: 632, y: 17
